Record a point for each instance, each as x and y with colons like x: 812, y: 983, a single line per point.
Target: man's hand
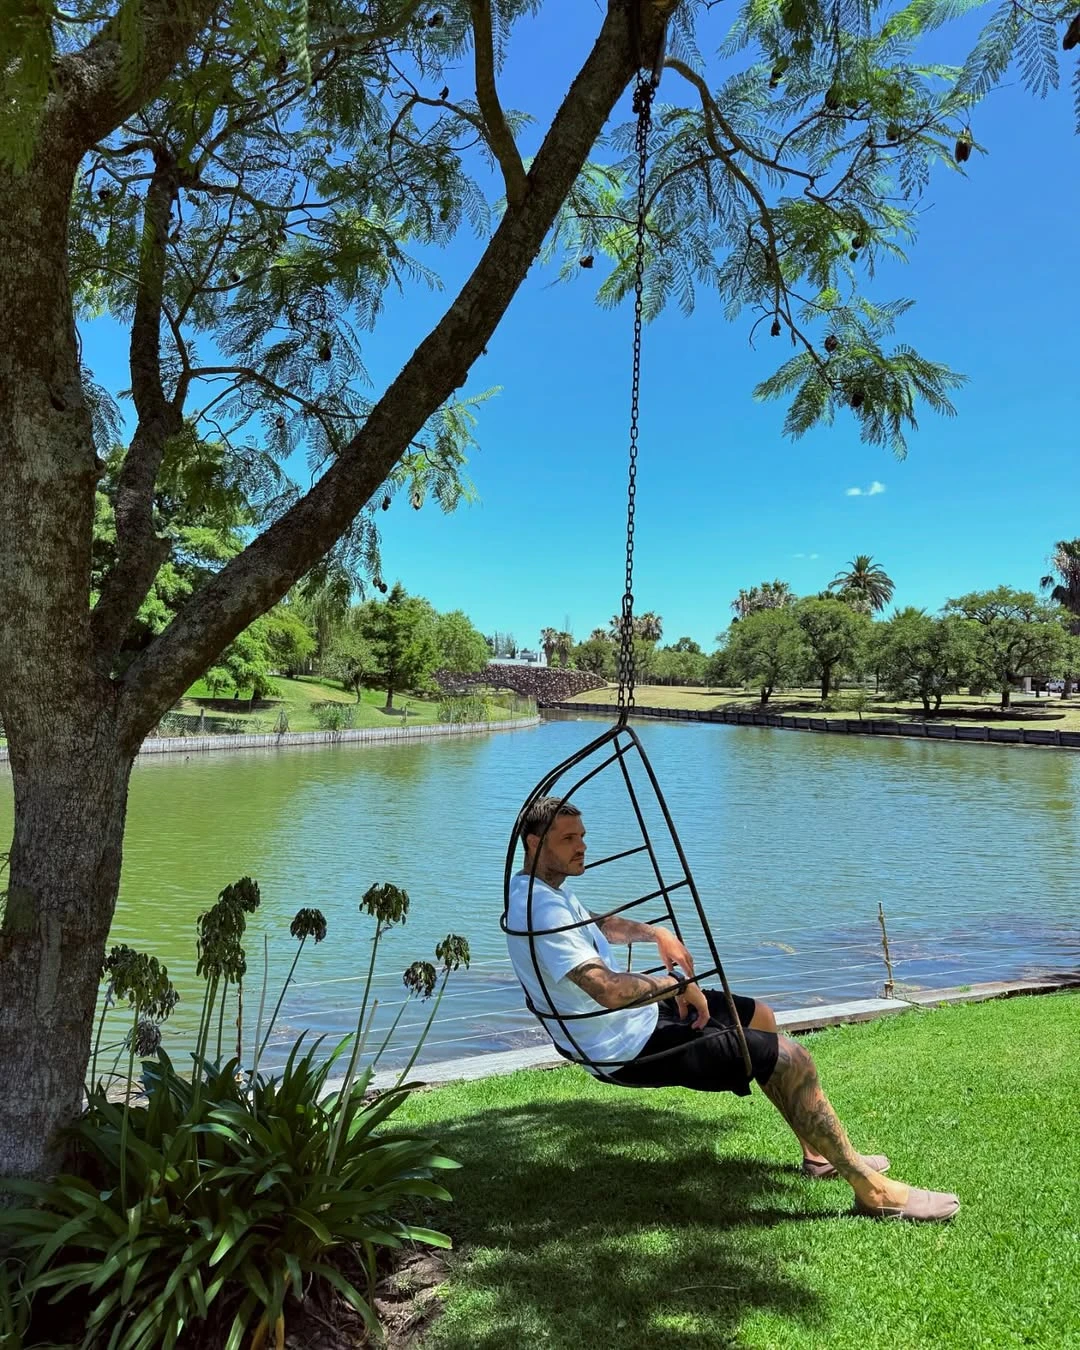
x: 694, y: 999
x: 672, y: 952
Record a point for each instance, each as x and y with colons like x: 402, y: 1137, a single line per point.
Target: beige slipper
x: 877, y: 1162
x: 919, y: 1207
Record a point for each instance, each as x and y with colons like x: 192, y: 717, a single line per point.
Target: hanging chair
x: 619, y: 751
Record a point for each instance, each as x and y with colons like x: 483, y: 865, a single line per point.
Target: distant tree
x: 1018, y: 635
x: 716, y: 673
x: 596, y: 655
x: 648, y: 626
x: 920, y: 656
x: 864, y: 585
x: 352, y: 660
x: 564, y: 645
x: 765, y: 649
x: 248, y: 661
x: 685, y: 644
x: 1063, y: 583
x: 767, y: 595
x: 290, y: 642
x: 323, y: 598
x: 549, y: 641
x: 835, y: 634
x: 462, y: 649
x: 680, y: 665
x: 401, y: 630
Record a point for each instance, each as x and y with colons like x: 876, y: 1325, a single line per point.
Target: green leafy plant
x: 202, y: 1205
x: 332, y: 716
x: 465, y: 708
x: 14, y: 1306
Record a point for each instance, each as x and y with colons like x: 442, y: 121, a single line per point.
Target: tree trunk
x: 389, y: 698
x: 71, y: 796
x: 1006, y: 696
x: 765, y: 692
x: 826, y: 680
x: 69, y: 763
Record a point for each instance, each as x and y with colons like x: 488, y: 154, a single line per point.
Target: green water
x: 794, y: 839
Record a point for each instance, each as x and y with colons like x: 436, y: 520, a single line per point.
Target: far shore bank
x: 929, y: 730
x: 166, y: 745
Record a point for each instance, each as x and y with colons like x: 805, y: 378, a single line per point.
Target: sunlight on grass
x: 587, y: 1215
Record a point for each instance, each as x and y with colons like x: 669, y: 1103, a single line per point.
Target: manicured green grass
x: 589, y: 1216
x: 297, y: 697
x: 1028, y: 711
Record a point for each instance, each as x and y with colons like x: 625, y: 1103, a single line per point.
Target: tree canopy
x: 1018, y: 635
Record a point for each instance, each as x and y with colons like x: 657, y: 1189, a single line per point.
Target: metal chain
x: 643, y: 97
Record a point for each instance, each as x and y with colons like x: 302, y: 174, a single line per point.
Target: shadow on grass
x: 591, y: 1223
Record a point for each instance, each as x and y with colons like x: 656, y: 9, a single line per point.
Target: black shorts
x: 709, y: 1060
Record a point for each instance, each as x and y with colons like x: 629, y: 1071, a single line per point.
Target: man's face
x: 563, y: 849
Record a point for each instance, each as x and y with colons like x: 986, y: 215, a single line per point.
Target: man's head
x: 555, y: 828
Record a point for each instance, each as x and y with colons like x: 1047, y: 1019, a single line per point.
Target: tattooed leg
x: 764, y: 1019
x: 794, y: 1089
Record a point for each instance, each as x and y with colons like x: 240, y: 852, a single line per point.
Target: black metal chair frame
x: 623, y: 742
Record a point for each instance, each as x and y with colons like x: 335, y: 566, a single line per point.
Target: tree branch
x: 139, y: 550
x: 499, y: 136
x: 253, y: 581
x: 93, y: 98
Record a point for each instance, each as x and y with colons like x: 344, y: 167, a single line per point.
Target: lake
x: 794, y: 839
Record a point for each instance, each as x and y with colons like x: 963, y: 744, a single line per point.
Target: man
x: 663, y: 1030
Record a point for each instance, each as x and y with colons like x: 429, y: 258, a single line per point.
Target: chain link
x: 643, y: 97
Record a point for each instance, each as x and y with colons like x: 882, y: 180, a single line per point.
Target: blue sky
x: 724, y: 500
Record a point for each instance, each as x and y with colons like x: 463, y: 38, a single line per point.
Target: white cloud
x: 811, y: 556
x: 873, y: 490
x: 814, y: 555
x: 853, y: 492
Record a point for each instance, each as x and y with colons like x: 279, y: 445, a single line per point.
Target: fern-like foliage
x: 782, y: 180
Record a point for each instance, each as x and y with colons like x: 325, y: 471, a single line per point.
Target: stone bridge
x: 546, y: 684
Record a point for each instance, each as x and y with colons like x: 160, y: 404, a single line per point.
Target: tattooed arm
x: 627, y: 988
x: 672, y: 952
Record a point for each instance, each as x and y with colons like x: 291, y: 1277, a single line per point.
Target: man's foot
x: 918, y: 1207
x: 824, y: 1170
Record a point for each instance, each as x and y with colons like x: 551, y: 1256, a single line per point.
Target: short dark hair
x: 540, y: 815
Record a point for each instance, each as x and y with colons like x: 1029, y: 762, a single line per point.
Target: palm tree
x: 549, y: 640
x: 865, y: 584
x: 648, y: 626
x: 1063, y: 583
x: 768, y: 595
x: 564, y: 643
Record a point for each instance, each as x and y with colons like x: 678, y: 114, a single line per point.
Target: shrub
x: 465, y: 708
x: 204, y: 1205
x: 332, y: 716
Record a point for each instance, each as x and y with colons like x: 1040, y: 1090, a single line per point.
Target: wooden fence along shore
x: 271, y: 740
x: 853, y: 726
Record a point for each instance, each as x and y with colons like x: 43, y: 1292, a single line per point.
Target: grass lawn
x: 1026, y: 711
x: 297, y: 696
x: 592, y: 1216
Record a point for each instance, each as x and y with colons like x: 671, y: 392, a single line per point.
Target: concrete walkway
x: 793, y: 1021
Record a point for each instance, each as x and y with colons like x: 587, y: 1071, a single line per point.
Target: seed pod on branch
x: 1072, y: 34
x: 962, y: 151
x: 831, y: 343
x: 774, y: 331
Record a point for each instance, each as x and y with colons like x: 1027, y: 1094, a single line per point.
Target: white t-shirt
x: 618, y: 1033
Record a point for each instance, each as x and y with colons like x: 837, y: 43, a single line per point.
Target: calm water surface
x: 794, y: 839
